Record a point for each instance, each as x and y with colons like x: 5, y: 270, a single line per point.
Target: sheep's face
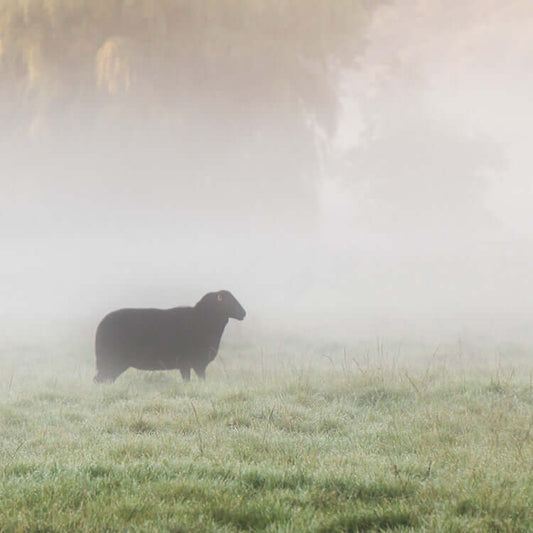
x: 228, y: 305
x: 224, y: 303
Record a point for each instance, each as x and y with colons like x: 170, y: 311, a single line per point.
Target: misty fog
x: 347, y: 171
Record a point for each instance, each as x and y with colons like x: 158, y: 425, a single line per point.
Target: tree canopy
x: 229, y: 92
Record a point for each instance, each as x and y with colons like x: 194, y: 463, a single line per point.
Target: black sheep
x: 164, y: 339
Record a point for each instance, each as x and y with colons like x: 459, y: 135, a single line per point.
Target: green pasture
x: 284, y: 438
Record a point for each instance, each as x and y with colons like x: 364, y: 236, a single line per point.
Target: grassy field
x: 285, y: 439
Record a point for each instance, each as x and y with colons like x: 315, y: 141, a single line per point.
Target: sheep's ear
x: 219, y: 297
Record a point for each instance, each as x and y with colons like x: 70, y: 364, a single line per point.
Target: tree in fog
x: 222, y: 98
x: 423, y: 175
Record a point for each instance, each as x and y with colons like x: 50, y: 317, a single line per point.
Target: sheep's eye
x: 219, y: 297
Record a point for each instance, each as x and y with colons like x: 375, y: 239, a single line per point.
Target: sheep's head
x: 223, y: 303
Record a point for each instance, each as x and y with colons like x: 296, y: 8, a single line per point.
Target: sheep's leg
x: 200, y: 372
x: 102, y: 377
x: 108, y: 369
x: 186, y: 374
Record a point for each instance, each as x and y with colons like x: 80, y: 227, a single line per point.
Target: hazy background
x: 349, y: 168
